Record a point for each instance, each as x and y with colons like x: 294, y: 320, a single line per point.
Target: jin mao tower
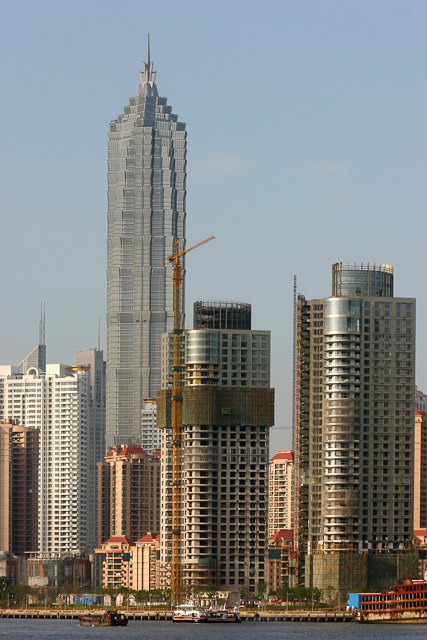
x: 146, y: 216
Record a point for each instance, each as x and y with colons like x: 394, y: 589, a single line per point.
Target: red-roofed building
x: 133, y: 565
x: 128, y: 493
x: 281, y: 492
x: 280, y: 544
x: 420, y: 470
x: 117, y: 553
x: 147, y: 573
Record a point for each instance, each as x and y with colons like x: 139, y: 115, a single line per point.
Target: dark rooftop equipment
x: 221, y: 315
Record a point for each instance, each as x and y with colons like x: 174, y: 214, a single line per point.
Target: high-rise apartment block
x: 281, y: 492
x: 354, y: 408
x: 56, y: 403
x: 19, y: 459
x: 128, y: 493
x: 146, y: 217
x: 93, y: 361
x: 227, y: 409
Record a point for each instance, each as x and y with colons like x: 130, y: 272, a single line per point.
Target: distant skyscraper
x: 146, y: 216
x: 36, y: 357
x: 93, y: 358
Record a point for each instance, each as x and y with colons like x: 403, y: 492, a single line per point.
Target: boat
x: 188, y: 613
x: 222, y: 615
x: 407, y: 603
x: 107, y: 619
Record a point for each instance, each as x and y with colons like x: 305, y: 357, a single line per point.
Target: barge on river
x: 107, y: 619
x: 406, y: 603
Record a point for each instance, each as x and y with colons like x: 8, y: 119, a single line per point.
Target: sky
x: 307, y: 145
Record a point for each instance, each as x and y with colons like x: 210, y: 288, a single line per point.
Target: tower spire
x: 148, y: 76
x: 42, y: 323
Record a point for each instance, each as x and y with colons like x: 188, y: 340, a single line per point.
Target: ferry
x: 188, y: 613
x: 107, y: 619
x: 407, y: 603
x: 222, y: 615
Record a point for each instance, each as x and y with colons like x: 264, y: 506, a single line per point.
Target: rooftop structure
x: 208, y: 314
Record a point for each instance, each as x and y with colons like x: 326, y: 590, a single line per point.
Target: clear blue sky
x: 307, y: 145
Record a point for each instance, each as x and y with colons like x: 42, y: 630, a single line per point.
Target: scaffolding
x: 375, y: 566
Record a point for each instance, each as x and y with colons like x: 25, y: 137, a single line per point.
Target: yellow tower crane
x: 176, y: 414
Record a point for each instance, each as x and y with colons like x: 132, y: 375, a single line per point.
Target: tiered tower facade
x: 146, y: 217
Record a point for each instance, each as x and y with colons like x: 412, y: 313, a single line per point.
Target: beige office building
x: 281, y: 492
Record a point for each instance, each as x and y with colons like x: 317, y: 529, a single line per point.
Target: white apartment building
x: 151, y: 437
x: 56, y: 403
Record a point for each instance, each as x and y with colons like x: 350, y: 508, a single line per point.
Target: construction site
x: 374, y: 567
x: 224, y: 493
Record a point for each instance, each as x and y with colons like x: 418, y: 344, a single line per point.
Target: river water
x: 21, y: 629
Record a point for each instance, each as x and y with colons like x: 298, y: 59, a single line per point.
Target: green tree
x: 141, y: 596
x: 261, y: 589
x: 211, y: 591
x: 5, y: 584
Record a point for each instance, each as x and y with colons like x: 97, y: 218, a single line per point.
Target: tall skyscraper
x: 146, y: 216
x: 354, y: 439
x: 36, y: 357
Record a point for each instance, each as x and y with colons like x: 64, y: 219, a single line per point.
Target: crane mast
x: 177, y: 416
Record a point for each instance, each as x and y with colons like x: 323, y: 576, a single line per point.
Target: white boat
x: 188, y: 613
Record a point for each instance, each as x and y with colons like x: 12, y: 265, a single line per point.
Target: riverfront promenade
x: 246, y: 616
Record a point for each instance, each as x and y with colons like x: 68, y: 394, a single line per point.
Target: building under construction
x: 221, y: 315
x: 223, y: 462
x: 353, y: 429
x: 373, y: 567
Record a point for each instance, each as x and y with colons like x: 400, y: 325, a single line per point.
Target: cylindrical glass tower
x: 369, y: 280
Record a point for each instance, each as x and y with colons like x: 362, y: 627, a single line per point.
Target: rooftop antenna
x: 99, y: 333
x: 42, y: 323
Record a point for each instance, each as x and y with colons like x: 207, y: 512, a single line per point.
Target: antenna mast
x: 42, y: 337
